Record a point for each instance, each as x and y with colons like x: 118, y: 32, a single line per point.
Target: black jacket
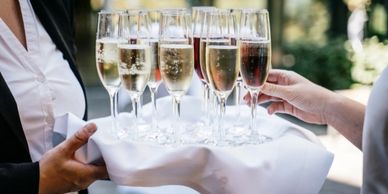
x: 17, y: 173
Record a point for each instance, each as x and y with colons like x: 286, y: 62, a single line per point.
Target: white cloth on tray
x: 294, y: 162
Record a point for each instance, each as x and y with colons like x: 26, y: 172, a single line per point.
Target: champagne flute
x: 255, y: 48
x: 239, y: 83
x: 222, y: 61
x: 155, y: 78
x: 196, y: 9
x: 176, y: 60
x: 107, y: 58
x: 135, y: 58
x: 199, y: 16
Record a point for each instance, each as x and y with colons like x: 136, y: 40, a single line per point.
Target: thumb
x: 274, y: 90
x: 80, y: 138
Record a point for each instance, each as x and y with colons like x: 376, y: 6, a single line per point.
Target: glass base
x: 259, y: 139
x: 194, y: 127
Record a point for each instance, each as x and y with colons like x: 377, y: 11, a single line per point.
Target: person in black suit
x: 57, y: 171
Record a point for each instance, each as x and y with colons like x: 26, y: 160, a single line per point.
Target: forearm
x: 347, y: 116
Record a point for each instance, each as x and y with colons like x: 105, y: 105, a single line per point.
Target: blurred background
x: 338, y: 44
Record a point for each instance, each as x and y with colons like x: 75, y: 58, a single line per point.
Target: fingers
x: 80, y: 176
x: 287, y: 108
x: 92, y: 171
x: 276, y: 88
x: 280, y: 107
x: 247, y: 98
x: 80, y: 138
x: 100, y: 172
x: 277, y: 76
x: 277, y: 91
x: 265, y: 98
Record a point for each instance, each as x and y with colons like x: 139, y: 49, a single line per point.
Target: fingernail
x: 90, y: 127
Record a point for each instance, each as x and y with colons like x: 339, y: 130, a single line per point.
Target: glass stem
x: 154, y: 109
x: 213, y: 110
x: 116, y: 103
x: 254, y: 96
x: 113, y: 111
x: 177, y: 117
x: 215, y: 101
x: 206, y: 103
x: 238, y: 98
x: 220, y: 129
x: 136, y: 109
x: 205, y: 96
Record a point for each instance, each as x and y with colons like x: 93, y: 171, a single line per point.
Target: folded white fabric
x: 294, y: 162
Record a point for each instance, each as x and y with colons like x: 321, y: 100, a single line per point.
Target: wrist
x: 41, y: 180
x: 346, y: 116
x: 44, y: 181
x: 331, y: 105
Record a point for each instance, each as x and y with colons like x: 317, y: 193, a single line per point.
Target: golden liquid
x: 202, y: 55
x: 135, y: 67
x: 222, y: 67
x: 107, y: 62
x: 176, y: 66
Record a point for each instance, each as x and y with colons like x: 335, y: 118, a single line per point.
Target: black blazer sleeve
x: 18, y: 174
x: 21, y: 178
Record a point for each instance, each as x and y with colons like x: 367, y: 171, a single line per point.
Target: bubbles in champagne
x: 202, y: 54
x: 222, y: 67
x: 255, y: 62
x: 176, y: 64
x: 107, y: 62
x: 155, y: 77
x: 135, y: 67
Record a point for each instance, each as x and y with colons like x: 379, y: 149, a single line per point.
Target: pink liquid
x: 197, y: 60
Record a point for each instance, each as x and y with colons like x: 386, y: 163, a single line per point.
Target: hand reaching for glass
x: 293, y: 94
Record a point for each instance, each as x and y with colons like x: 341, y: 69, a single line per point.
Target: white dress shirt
x: 40, y: 80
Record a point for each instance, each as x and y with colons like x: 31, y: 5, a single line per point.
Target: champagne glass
x: 176, y: 60
x: 196, y: 9
x: 239, y: 83
x: 255, y: 49
x: 135, y: 58
x: 199, y: 26
x: 155, y: 78
x: 222, y: 61
x: 107, y: 58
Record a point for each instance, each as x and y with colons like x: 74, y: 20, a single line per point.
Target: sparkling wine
x: 135, y: 66
x: 183, y: 41
x: 255, y: 62
x: 176, y: 64
x: 155, y: 69
x: 202, y: 50
x: 197, y: 64
x: 202, y: 59
x: 107, y: 62
x: 222, y: 67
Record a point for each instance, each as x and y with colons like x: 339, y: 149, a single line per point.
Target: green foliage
x: 326, y: 65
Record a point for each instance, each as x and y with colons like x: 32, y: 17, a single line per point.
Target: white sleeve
x: 375, y: 139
